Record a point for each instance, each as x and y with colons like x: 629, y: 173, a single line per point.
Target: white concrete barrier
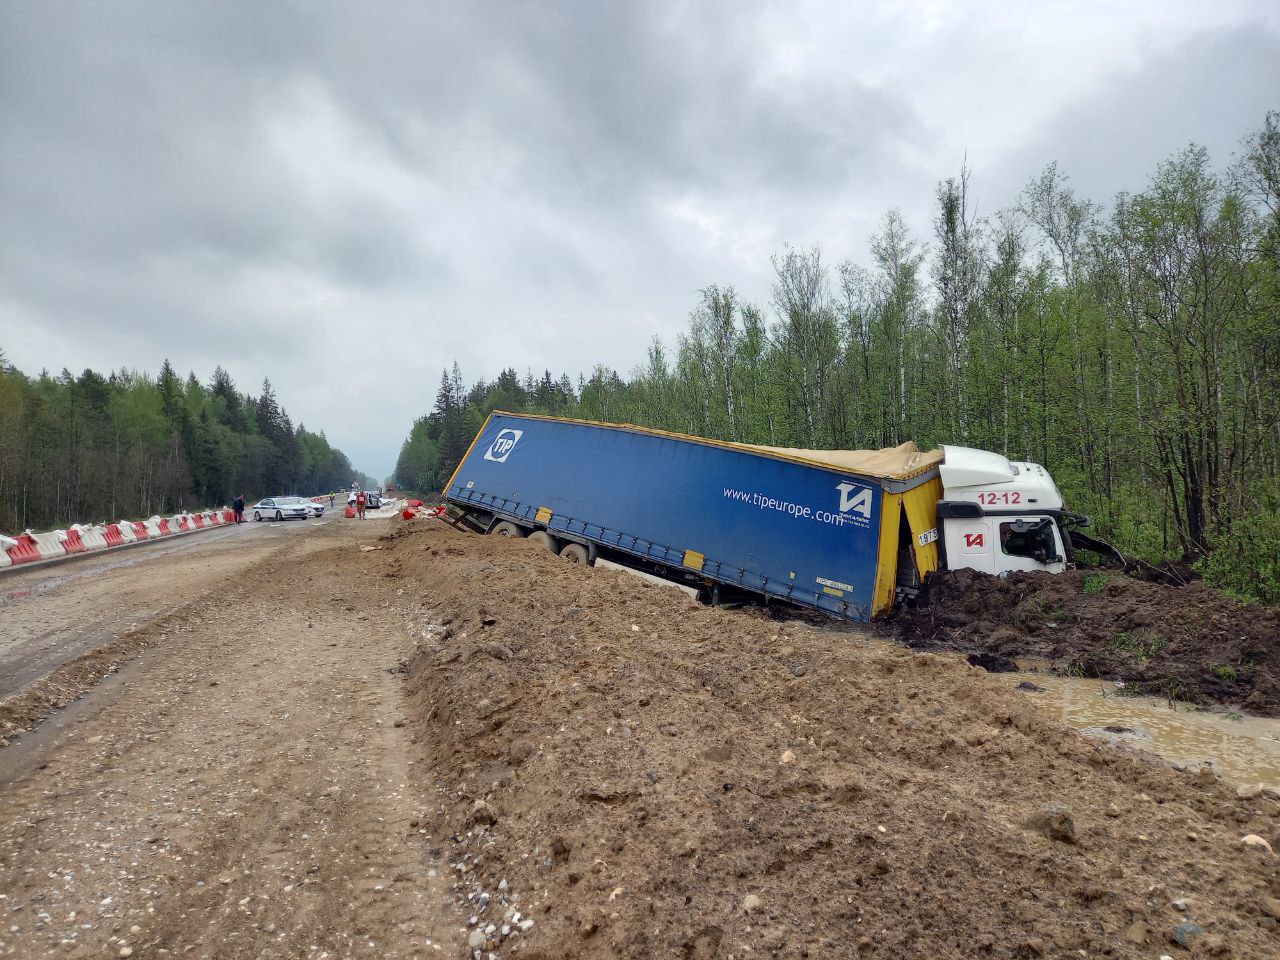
x: 83, y: 538
x: 50, y: 544
x: 93, y: 538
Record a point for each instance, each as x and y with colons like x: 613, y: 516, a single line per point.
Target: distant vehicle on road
x: 373, y: 499
x: 315, y: 509
x: 280, y: 508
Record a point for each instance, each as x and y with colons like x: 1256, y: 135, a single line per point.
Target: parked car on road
x: 313, y: 509
x: 280, y: 508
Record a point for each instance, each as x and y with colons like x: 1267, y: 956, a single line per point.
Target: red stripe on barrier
x: 25, y: 551
x: 112, y: 535
x: 199, y: 521
x: 228, y: 516
x: 164, y: 527
x: 140, y: 530
x: 74, y: 543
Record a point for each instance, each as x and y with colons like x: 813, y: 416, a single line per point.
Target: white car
x: 315, y: 509
x: 280, y: 508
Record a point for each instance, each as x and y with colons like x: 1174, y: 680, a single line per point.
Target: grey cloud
x: 537, y: 184
x: 1213, y: 90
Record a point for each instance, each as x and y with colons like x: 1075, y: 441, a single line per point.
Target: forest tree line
x: 1134, y: 350
x: 128, y: 445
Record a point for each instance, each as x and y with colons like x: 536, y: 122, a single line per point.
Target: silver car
x: 317, y: 509
x: 280, y: 508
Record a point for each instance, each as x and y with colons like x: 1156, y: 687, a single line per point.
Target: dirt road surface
x: 243, y: 791
x: 53, y: 613
x: 462, y: 746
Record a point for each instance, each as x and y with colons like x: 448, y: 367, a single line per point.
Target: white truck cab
x: 997, y: 515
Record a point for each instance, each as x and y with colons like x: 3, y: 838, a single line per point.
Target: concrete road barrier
x: 24, y: 551
x: 50, y: 545
x: 80, y: 539
x: 71, y: 542
x: 93, y: 538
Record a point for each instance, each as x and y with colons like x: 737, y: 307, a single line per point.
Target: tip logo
x: 502, y: 445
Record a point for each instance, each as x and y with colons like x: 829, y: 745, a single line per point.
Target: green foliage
x: 1134, y: 352
x: 1142, y: 646
x: 1245, y: 560
x: 437, y: 442
x: 126, y: 445
x: 1224, y: 671
x: 1095, y: 583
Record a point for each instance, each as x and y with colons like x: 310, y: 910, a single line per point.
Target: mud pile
x: 1184, y: 642
x: 654, y: 778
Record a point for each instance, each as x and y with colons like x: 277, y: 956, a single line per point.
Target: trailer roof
x: 890, y: 463
x: 902, y: 462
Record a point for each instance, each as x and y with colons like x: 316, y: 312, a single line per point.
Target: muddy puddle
x: 1242, y: 749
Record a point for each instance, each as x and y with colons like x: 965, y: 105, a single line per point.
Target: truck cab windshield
x: 1029, y: 538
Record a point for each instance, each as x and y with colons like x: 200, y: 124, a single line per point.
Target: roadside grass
x: 1141, y: 646
x: 1039, y: 607
x: 1224, y: 671
x: 1095, y: 583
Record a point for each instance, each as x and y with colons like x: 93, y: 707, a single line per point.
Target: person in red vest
x: 361, y: 500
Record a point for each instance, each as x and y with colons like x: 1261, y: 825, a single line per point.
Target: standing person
x: 237, y: 508
x: 361, y: 500
x: 331, y: 501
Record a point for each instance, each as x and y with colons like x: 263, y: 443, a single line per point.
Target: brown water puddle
x: 1242, y: 749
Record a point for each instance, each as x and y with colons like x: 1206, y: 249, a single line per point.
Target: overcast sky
x: 347, y: 197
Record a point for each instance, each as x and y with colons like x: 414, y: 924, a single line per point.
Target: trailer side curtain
x: 921, y: 504
x: 887, y: 563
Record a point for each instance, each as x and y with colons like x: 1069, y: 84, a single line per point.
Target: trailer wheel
x: 575, y: 553
x: 507, y: 529
x: 544, y: 539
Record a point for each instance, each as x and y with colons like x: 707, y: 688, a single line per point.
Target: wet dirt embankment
x: 644, y: 777
x: 1188, y: 643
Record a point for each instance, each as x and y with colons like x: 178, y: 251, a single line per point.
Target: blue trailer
x: 794, y: 525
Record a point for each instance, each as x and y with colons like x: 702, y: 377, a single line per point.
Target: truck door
x: 969, y: 543
x: 1029, y: 543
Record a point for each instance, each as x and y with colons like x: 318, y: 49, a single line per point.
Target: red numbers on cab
x: 1009, y: 497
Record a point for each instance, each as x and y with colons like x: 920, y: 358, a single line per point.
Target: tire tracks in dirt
x: 251, y: 796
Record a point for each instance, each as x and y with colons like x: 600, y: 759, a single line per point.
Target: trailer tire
x: 544, y: 539
x: 507, y: 529
x: 575, y: 553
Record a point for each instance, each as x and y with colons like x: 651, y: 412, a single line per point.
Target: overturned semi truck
x: 851, y: 532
